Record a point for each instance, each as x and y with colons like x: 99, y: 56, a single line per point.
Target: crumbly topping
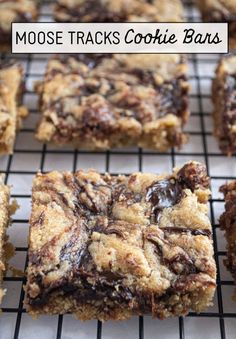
x: 104, y: 101
x: 221, y: 11
x: 224, y: 100
x: 15, y: 11
x: 116, y: 243
x: 11, y: 87
x: 118, y: 11
x: 218, y: 9
x: 227, y: 223
x: 4, y: 221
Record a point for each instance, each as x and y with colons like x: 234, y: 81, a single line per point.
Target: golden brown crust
x: 14, y: 11
x: 223, y: 97
x: 11, y: 87
x: 108, y: 247
x: 4, y: 222
x: 105, y: 101
x: 118, y: 10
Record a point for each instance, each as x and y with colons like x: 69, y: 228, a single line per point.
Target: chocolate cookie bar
x: 118, y: 11
x: 11, y: 113
x: 4, y: 222
x: 227, y: 223
x: 224, y: 101
x: 109, y: 247
x: 15, y: 11
x: 220, y: 11
x: 105, y: 101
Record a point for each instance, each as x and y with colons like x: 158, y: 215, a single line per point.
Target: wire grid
x: 219, y: 321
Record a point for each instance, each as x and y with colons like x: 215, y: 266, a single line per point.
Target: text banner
x: 119, y: 38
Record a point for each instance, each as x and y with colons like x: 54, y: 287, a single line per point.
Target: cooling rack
x: 219, y: 321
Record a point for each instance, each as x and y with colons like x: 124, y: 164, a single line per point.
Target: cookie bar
x: 118, y: 11
x: 227, y: 223
x: 11, y: 113
x: 220, y: 11
x: 4, y: 222
x: 224, y: 101
x: 109, y: 247
x: 106, y: 101
x: 15, y: 11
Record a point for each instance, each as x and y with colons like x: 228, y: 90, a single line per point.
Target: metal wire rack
x: 217, y: 322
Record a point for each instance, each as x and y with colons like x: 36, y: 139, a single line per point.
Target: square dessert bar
x: 118, y: 10
x: 109, y: 247
x: 11, y: 113
x: 105, y: 101
x: 228, y: 224
x: 15, y: 11
x: 4, y: 222
x: 224, y: 101
x: 220, y: 11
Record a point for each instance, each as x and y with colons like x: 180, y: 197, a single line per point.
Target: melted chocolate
x: 181, y: 263
x: 206, y: 232
x: 82, y: 279
x: 66, y: 253
x: 162, y: 194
